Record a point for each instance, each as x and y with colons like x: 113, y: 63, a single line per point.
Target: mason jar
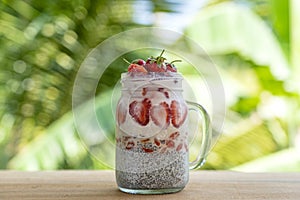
x: 152, y: 129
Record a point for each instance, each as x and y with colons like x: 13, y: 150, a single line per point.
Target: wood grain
x: 217, y: 185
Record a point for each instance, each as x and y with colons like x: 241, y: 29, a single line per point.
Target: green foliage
x: 42, y: 46
x: 43, y: 43
x: 269, y: 82
x: 61, y: 146
x: 253, y: 143
x: 257, y: 74
x: 245, y: 105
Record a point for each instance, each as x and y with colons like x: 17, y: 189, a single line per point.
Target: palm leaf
x: 228, y: 28
x: 234, y: 32
x: 66, y: 144
x: 284, y: 160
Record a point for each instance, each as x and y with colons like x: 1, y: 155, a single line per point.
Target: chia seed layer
x: 152, y: 171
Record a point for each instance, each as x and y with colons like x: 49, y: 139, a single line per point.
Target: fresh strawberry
x: 140, y: 111
x: 179, y: 147
x: 156, y: 64
x: 174, y: 135
x: 178, y: 113
x: 136, y: 68
x: 129, y: 145
x: 145, y: 140
x: 139, y: 62
x: 157, y: 142
x: 160, y: 115
x: 152, y: 66
x: 171, y: 67
x: 170, y: 143
x: 147, y: 150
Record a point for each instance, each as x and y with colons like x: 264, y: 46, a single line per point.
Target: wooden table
x: 101, y: 185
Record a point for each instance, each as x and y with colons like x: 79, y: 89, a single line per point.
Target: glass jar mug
x: 152, y: 151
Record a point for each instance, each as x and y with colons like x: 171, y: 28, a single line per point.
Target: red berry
x: 179, y: 147
x: 147, y: 150
x: 171, y: 67
x: 160, y: 115
x: 157, y: 142
x: 140, y: 111
x: 174, y: 135
x: 130, y: 145
x: 153, y: 66
x: 170, y: 143
x: 136, y: 68
x: 150, y: 60
x: 139, y: 62
x: 178, y: 113
x: 145, y: 140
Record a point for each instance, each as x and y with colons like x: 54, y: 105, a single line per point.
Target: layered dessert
x: 151, y: 132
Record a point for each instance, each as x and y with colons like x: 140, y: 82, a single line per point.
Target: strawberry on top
x: 136, y: 68
x: 152, y: 64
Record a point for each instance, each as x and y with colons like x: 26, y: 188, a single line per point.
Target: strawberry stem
x: 175, y: 61
x: 160, y: 59
x: 161, y: 53
x: 126, y: 61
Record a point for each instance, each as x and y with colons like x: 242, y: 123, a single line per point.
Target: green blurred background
x: 253, y: 43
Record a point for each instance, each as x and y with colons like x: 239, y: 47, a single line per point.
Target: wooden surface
x: 101, y: 185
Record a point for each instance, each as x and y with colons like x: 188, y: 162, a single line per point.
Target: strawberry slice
x: 178, y: 113
x: 174, y: 135
x: 121, y: 113
x: 140, y: 111
x: 179, y: 147
x: 170, y: 143
x: 147, y: 150
x: 136, y: 68
x: 160, y: 115
x: 157, y: 142
x: 129, y: 145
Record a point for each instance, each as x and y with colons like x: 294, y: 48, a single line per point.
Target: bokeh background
x: 254, y: 43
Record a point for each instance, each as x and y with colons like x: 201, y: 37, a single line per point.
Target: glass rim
x: 141, y: 76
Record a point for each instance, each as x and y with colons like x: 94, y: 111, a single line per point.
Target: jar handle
x: 206, y: 138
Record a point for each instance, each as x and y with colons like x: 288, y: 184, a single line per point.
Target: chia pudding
x: 151, y: 131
